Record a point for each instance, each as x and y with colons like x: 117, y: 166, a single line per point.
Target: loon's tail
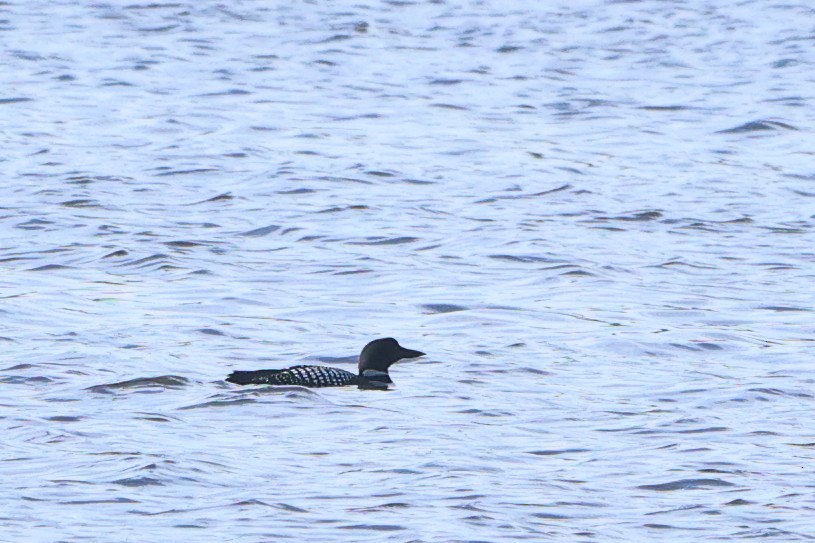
x: 250, y: 377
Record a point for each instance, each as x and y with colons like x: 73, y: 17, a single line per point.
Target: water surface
x: 596, y: 217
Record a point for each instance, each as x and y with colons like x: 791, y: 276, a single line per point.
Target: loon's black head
x: 379, y: 354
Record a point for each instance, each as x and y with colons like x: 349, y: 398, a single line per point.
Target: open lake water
x: 597, y: 218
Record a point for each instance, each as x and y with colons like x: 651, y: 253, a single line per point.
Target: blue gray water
x: 596, y: 217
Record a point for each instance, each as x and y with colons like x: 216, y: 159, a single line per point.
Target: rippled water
x: 595, y: 217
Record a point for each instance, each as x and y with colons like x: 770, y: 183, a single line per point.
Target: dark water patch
x: 70, y: 482
x: 138, y: 482
x: 20, y: 380
x: 229, y: 92
x: 182, y: 244
x: 640, y: 216
x: 551, y: 516
x: 262, y: 231
x: 431, y: 309
x: 702, y: 226
x: 115, y: 83
x: 221, y: 403
x: 352, y: 272
x: 288, y: 507
x: 117, y: 254
x: 357, y: 117
x: 378, y: 240
x: 88, y: 179
x: 739, y: 501
x: 577, y: 273
x: 337, y: 209
x: 281, y: 506
x: 491, y: 413
x: 757, y: 126
x: 382, y: 507
x: 336, y: 38
x: 609, y: 228
x: 19, y: 367
x: 161, y: 382
x: 778, y: 392
x: 157, y: 258
x: 670, y: 527
x: 708, y: 346
x: 220, y: 198
x: 663, y: 108
x: 526, y: 259
x: 704, y: 430
x: 534, y: 371
x: 373, y: 527
x: 98, y: 502
x: 193, y: 171
x: 335, y: 179
x: 210, y: 332
x: 399, y: 471
x: 785, y: 230
x: 686, y: 484
x: 685, y: 347
x: 296, y: 191
x: 632, y: 429
x: 523, y: 196
x: 51, y: 267
x: 81, y: 203
x: 676, y: 262
x: 555, y: 452
x: 158, y: 29
x: 64, y: 418
x: 783, y: 308
x: 450, y: 106
x: 445, y: 82
x: 772, y: 534
x: 154, y: 418
x: 15, y: 100
x: 34, y: 224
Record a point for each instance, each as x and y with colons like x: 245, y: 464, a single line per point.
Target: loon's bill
x: 374, y: 361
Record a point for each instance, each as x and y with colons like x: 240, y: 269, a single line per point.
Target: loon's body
x: 374, y: 361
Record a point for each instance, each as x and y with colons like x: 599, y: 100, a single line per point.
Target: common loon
x: 374, y: 361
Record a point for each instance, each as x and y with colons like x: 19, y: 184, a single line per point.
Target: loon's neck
x: 376, y: 375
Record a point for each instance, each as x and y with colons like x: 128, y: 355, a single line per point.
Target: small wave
x: 385, y: 241
x: 525, y: 258
x: 443, y: 308
x: 757, y: 126
x: 262, y: 231
x: 686, y: 484
x: 138, y: 482
x: 219, y: 403
x: 555, y: 452
x: 162, y: 382
x: 15, y: 100
x: 373, y: 527
x: 220, y: 198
